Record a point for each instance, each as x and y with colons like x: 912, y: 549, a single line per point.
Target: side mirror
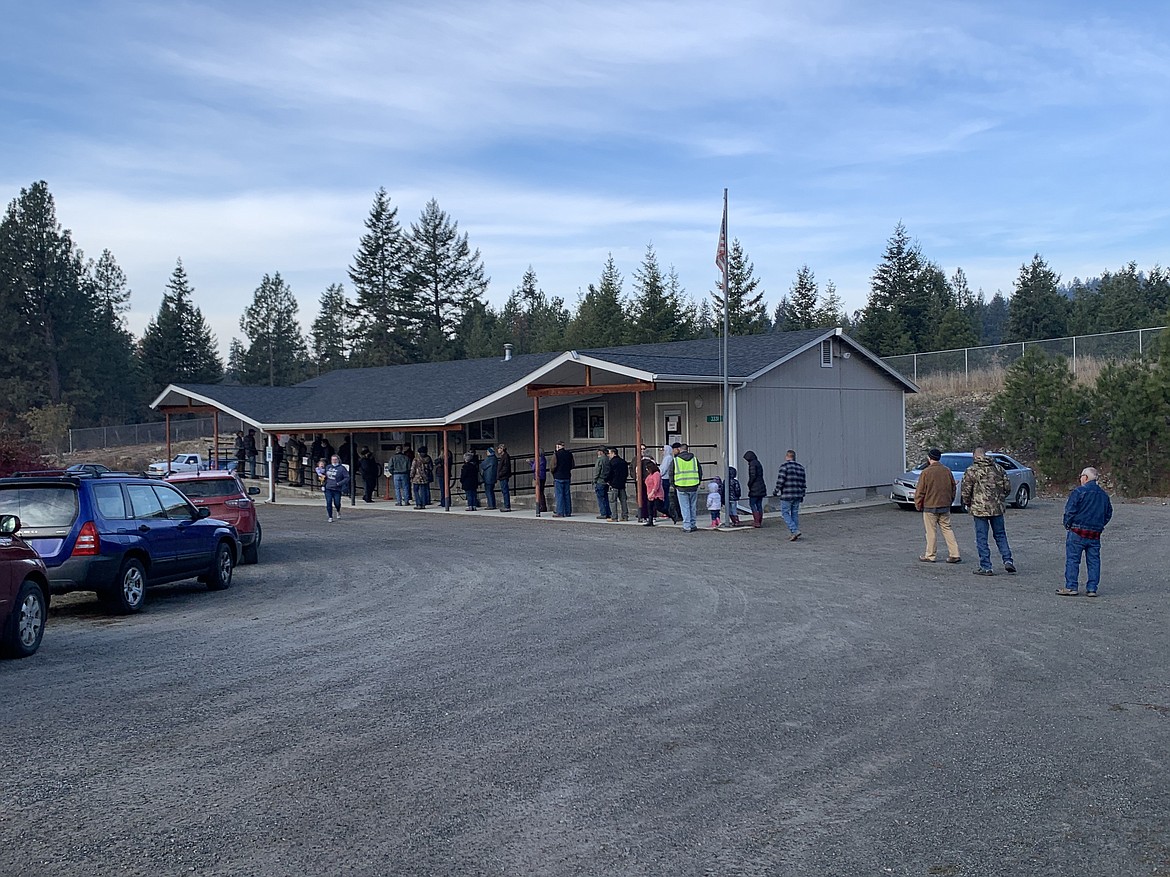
x: 203, y: 512
x: 9, y: 524
x: 253, y: 491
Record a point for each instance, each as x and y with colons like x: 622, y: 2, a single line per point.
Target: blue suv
x: 116, y: 534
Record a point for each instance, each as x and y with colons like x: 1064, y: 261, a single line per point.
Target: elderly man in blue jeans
x: 1086, y: 513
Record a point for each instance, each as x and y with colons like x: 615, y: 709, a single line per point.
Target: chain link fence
x: 100, y: 437
x: 1133, y: 344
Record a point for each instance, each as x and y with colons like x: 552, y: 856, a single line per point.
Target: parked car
x: 118, y: 534
x: 1021, y: 477
x: 88, y: 469
x: 187, y: 463
x: 24, y: 592
x: 222, y: 493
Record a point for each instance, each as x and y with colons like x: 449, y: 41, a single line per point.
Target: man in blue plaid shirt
x: 790, y: 487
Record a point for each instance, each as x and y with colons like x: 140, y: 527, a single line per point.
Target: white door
x: 671, y: 420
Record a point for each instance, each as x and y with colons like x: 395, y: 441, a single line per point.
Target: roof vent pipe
x: 507, y: 352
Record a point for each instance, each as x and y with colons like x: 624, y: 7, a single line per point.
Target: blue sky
x: 249, y: 138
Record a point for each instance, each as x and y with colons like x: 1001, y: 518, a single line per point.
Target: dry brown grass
x: 989, y: 381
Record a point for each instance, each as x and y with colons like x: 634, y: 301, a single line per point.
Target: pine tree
x: 115, y: 382
x: 832, y: 311
x: 387, y: 316
x: 446, y: 278
x: 1037, y: 310
x: 479, y: 332
x: 657, y: 311
x: 277, y: 355
x: 747, y: 313
x: 802, y: 298
x: 885, y: 326
x: 332, y: 330
x: 600, y: 320
x: 530, y: 321
x: 705, y: 321
x: 178, y: 346
x: 993, y: 319
x: 234, y: 371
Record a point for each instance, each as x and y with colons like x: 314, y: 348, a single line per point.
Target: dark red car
x: 222, y: 494
x: 24, y: 592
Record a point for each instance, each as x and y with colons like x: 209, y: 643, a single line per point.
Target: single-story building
x: 817, y: 391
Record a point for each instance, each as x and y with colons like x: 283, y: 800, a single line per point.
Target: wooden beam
x: 543, y: 390
x: 187, y: 409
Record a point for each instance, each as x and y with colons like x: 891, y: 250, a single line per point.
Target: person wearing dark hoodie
x: 504, y: 477
x: 734, y: 492
x: 489, y: 469
x: 757, y: 488
x: 688, y: 475
x: 369, y: 470
x: 336, y: 484
x: 469, y: 480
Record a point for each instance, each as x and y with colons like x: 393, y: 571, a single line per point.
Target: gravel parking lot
x: 430, y: 693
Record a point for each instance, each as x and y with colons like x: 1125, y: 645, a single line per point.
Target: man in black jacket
x: 562, y: 473
x: 619, y: 474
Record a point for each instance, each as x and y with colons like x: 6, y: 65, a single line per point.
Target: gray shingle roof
x: 431, y: 391
x: 746, y: 354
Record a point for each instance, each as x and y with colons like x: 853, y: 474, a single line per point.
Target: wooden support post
x: 536, y: 454
x: 639, y: 486
x: 446, y: 470
x: 214, y: 464
x: 168, y: 416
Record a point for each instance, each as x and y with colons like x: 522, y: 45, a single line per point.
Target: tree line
x: 417, y: 293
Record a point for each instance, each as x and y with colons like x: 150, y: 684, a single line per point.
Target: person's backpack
x: 429, y: 469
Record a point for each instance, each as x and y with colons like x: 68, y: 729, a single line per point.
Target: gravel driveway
x: 428, y: 693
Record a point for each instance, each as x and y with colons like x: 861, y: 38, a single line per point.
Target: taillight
x: 238, y: 503
x: 88, y: 542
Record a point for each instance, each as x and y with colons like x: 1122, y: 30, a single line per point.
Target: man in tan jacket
x: 933, y: 497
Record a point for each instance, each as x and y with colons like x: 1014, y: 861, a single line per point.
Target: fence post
x: 1074, y: 359
x: 966, y: 368
x: 916, y: 368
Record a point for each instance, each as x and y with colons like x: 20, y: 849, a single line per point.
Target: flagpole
x: 726, y: 382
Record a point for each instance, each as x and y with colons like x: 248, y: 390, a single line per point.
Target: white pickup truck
x: 185, y: 463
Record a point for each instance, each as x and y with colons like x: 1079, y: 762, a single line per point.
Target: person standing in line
x: 790, y: 487
x: 562, y: 473
x: 277, y: 460
x: 646, y: 465
x: 250, y: 452
x: 418, y: 478
x: 369, y: 470
x: 539, y: 477
x: 757, y: 488
x: 734, y: 493
x: 666, y: 467
x: 933, y: 497
x: 428, y: 474
x: 469, y: 480
x: 504, y: 474
x: 985, y: 485
x: 446, y: 476
x: 617, y: 476
x: 1086, y: 514
x: 241, y: 454
x: 336, y: 484
x: 400, y: 473
x: 601, y: 485
x: 688, y: 474
x: 489, y: 469
x: 295, y: 450
x: 714, y: 502
x: 652, y: 492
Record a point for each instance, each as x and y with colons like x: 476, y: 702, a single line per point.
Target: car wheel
x: 27, y: 623
x: 129, y: 592
x: 220, y: 576
x: 252, y: 552
x: 1023, y: 497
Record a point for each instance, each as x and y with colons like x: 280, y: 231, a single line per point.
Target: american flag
x: 721, y: 250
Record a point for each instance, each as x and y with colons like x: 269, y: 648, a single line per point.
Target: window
x: 827, y: 353
x: 144, y: 501
x: 174, y: 503
x: 587, y: 422
x: 110, y: 502
x: 49, y: 507
x: 482, y: 431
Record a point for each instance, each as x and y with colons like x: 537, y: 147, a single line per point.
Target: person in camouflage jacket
x: 985, y: 487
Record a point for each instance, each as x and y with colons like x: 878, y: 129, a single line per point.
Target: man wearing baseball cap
x: 562, y: 473
x: 933, y: 497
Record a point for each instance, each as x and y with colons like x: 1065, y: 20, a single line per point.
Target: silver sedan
x: 1022, y: 478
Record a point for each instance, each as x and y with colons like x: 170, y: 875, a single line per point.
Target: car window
x: 144, y: 501
x: 38, y: 507
x: 110, y: 502
x: 205, y: 488
x: 1005, y: 462
x: 174, y: 503
x: 956, y: 462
